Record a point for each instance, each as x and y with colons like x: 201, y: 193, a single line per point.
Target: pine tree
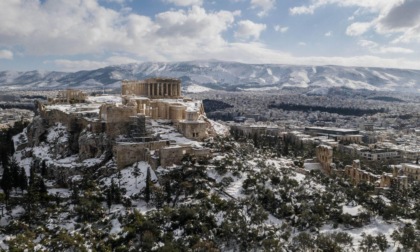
x: 43, y: 169
x: 23, y: 180
x: 42, y: 190
x: 115, y: 193
x: 136, y: 173
x: 75, y: 194
x: 14, y: 170
x: 109, y: 200
x: 41, y: 187
x: 286, y: 147
x: 147, y: 188
x: 168, y: 191
x: 32, y: 176
x: 6, y: 182
x: 119, y: 176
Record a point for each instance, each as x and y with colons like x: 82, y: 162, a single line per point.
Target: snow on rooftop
x: 105, y: 99
x: 167, y: 132
x: 75, y: 108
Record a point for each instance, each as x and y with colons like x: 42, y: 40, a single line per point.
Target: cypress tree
x: 14, y: 170
x: 23, y: 180
x: 6, y: 182
x: 168, y: 191
x: 109, y: 200
x: 147, y: 188
x: 136, y: 172
x: 32, y: 176
x: 43, y: 169
x: 42, y: 190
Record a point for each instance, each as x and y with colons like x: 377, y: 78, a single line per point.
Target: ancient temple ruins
x: 152, y: 88
x: 160, y: 98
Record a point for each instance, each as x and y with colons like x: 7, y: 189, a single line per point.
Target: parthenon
x: 152, y: 88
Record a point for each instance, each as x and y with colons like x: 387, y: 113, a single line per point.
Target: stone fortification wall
x: 194, y: 130
x: 72, y: 122
x: 129, y: 153
x: 117, y: 119
x: 324, y: 154
x: 173, y: 155
x: 357, y: 175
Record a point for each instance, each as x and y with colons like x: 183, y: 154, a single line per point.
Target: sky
x: 73, y: 35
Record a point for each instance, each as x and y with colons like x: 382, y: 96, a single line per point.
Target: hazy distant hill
x: 223, y: 75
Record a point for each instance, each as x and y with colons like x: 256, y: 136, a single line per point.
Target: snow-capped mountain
x: 223, y: 75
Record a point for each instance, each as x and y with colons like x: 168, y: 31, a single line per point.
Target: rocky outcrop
x: 36, y: 130
x: 93, y: 145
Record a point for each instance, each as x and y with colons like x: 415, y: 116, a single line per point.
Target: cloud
x: 328, y: 34
x: 402, y: 16
x: 282, y: 29
x: 302, y: 10
x: 358, y: 28
x: 86, y: 30
x: 302, y: 44
x: 65, y: 27
x: 374, y: 47
x: 6, y: 54
x: 391, y: 17
x: 256, y: 52
x: 264, y: 5
x: 117, y: 1
x: 248, y: 29
x: 77, y: 65
x: 370, y: 5
x: 185, y: 2
x: 403, y: 19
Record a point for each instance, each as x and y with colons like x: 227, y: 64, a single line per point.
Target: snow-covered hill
x: 223, y: 75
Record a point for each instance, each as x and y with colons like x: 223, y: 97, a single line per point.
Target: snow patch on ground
x: 219, y: 128
x: 129, y: 182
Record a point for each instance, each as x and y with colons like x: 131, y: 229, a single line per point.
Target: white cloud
x: 185, y: 2
x: 371, y: 5
x: 393, y: 49
x: 367, y: 43
x: 264, y: 5
x: 302, y: 10
x: 65, y: 27
x: 77, y: 65
x: 258, y: 53
x: 117, y: 1
x: 248, y: 29
x: 328, y: 34
x: 392, y: 16
x: 374, y: 47
x: 358, y: 28
x: 302, y: 44
x: 403, y: 19
x: 281, y: 29
x: 6, y: 54
x: 255, y: 52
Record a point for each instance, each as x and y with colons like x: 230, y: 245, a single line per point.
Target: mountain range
x: 222, y: 75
